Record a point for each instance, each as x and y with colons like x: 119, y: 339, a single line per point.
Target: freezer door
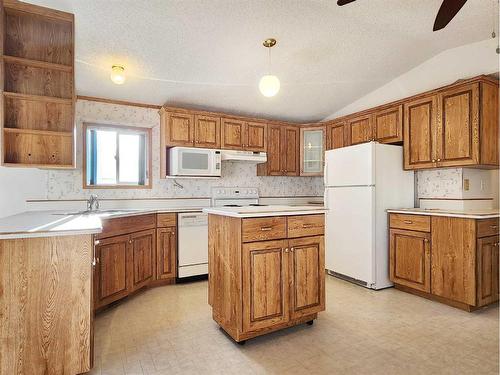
x: 350, y: 166
x: 350, y: 228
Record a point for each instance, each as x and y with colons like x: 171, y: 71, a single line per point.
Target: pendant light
x: 269, y: 84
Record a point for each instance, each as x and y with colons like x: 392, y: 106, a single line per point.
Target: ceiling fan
x: 448, y: 10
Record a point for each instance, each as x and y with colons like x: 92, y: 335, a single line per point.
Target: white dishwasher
x: 193, y: 244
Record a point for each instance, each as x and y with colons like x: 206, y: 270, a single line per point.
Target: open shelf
x: 38, y: 86
x: 32, y: 33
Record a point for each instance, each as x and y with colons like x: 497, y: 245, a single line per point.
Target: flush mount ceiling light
x: 118, y: 74
x: 269, y: 85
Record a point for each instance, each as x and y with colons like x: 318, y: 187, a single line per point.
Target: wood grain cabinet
x: 336, y: 135
x: 388, y: 124
x: 360, y: 129
x: 262, y: 283
x: 283, y: 151
x: 243, y: 135
x: 453, y: 260
x: 179, y: 128
x: 206, y: 131
x: 37, y: 75
x: 166, y: 247
x: 143, y: 249
x: 456, y: 126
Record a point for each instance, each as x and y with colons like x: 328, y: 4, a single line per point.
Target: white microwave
x: 189, y: 161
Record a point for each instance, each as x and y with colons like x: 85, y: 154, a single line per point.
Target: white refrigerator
x: 361, y: 182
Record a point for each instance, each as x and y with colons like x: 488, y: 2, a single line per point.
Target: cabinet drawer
x: 166, y: 220
x: 420, y: 223
x: 487, y: 227
x: 125, y: 225
x: 263, y: 228
x: 306, y: 225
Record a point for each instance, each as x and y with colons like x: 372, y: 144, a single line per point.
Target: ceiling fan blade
x: 344, y: 2
x: 448, y: 10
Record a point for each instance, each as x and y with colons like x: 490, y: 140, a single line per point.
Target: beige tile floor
x: 169, y: 330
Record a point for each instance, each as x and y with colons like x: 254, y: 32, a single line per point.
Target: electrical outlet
x: 466, y: 184
x: 482, y: 185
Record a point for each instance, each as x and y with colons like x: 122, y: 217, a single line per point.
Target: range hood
x: 244, y: 156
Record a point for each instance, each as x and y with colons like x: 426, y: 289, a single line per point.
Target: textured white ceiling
x: 209, y: 54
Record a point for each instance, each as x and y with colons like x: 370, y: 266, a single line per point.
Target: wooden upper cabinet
x: 256, y: 137
x: 179, y: 129
x: 457, y: 133
x: 489, y: 123
x: 290, y: 151
x: 410, y: 259
x: 419, y: 132
x: 312, y: 150
x: 487, y: 270
x: 232, y: 134
x: 273, y: 166
x: 388, y: 124
x: 307, y: 267
x: 336, y: 135
x: 360, y: 129
x: 453, y: 274
x: 143, y: 255
x: 111, y: 276
x: 207, y: 131
x: 265, y: 288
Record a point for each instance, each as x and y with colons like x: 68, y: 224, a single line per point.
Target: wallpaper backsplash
x: 439, y: 183
x: 67, y: 184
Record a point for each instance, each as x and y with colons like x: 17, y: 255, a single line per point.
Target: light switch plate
x: 466, y: 184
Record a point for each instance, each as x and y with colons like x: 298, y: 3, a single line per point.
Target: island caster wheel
x: 242, y: 342
x: 310, y: 323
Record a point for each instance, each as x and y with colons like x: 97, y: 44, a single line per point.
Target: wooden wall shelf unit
x: 38, y: 95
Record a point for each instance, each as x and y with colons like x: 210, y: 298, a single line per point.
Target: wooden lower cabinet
x: 262, y: 286
x: 127, y: 260
x: 166, y: 250
x: 111, y: 271
x: 454, y: 261
x: 410, y: 259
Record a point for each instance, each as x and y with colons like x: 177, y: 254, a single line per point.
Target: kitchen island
x: 266, y: 267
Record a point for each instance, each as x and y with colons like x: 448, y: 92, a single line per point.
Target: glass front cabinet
x: 312, y: 150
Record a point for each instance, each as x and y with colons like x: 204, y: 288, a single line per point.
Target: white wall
x: 445, y: 68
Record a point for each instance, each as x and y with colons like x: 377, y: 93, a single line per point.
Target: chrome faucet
x: 92, y: 203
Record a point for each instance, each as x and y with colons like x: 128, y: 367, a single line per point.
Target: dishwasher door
x: 193, y: 244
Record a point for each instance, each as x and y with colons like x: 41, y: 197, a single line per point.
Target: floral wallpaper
x: 67, y: 184
x: 440, y: 183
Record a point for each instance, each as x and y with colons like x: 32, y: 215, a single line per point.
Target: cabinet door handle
x: 493, y: 226
x: 286, y: 250
x: 408, y: 222
x: 292, y: 249
x: 426, y: 240
x: 265, y: 229
x: 97, y: 260
x: 97, y: 242
x: 129, y: 241
x: 307, y: 225
x: 439, y: 160
x: 94, y: 262
x: 433, y: 160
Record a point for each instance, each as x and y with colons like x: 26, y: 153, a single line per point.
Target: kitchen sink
x: 94, y: 212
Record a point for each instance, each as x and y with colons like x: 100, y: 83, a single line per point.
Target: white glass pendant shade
x: 269, y: 85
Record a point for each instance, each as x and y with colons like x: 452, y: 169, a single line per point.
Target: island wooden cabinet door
x: 307, y: 267
x: 265, y: 288
x: 179, y: 129
x: 457, y: 140
x: 142, y: 257
x: 420, y: 132
x: 111, y: 271
x: 166, y: 249
x: 290, y: 152
x: 207, y: 131
x: 232, y: 134
x: 453, y: 273
x: 388, y: 125
x: 336, y: 135
x: 487, y: 270
x: 255, y: 135
x: 410, y: 259
x: 360, y: 129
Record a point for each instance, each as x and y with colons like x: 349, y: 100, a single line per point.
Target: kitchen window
x: 116, y: 156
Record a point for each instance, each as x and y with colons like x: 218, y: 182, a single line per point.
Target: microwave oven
x: 190, y: 161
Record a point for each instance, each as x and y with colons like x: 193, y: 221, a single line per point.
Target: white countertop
x: 62, y: 223
x: 265, y: 211
x: 472, y: 214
